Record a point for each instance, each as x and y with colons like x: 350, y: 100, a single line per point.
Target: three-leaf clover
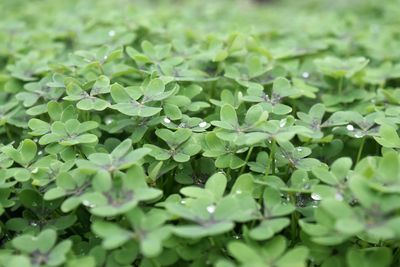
x: 181, y: 145
x: 41, y: 249
x: 70, y: 133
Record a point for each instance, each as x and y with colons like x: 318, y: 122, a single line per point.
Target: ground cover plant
x: 199, y: 133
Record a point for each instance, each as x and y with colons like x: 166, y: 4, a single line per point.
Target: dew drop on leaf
x: 282, y: 123
x: 211, y: 209
x: 202, y: 124
x: 350, y: 127
x: 88, y: 204
x: 108, y: 121
x: 315, y: 196
x: 305, y: 75
x: 111, y: 33
x: 358, y: 135
x: 166, y: 120
x: 338, y: 196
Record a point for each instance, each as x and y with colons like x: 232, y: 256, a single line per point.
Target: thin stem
x: 396, y: 256
x: 228, y: 173
x: 246, y: 160
x: 271, y: 159
x: 360, y: 150
x: 340, y: 85
x: 8, y: 132
x: 293, y: 220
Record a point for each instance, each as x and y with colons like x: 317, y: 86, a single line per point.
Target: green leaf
x: 216, y: 184
x: 113, y: 236
x: 228, y: 115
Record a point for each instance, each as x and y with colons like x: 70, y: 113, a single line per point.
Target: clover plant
x: 199, y: 133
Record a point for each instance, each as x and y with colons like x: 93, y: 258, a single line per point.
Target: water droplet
x: 111, y: 33
x: 108, y: 121
x: 105, y: 57
x: 33, y: 224
x: 299, y: 149
x: 282, y: 123
x: 338, y: 196
x: 166, y: 120
x: 315, y: 196
x: 236, y: 237
x: 238, y: 191
x: 183, y: 202
x: 350, y: 127
x: 305, y: 75
x: 202, y: 124
x: 35, y: 170
x: 35, y: 140
x: 211, y: 209
x: 88, y: 204
x: 241, y: 150
x: 358, y: 135
x: 182, y: 125
x: 40, y: 152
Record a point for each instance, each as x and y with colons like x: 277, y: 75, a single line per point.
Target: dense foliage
x: 196, y: 133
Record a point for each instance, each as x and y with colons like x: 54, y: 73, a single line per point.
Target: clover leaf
x: 148, y: 230
x: 272, y: 103
x: 70, y: 133
x: 271, y: 254
x: 272, y: 221
x: 224, y: 152
x: 295, y: 157
x: 91, y: 100
x: 120, y: 195
x: 248, y: 133
x: 181, y: 145
x: 211, y: 212
x: 122, y: 157
x: 127, y: 99
x: 336, y: 67
x: 42, y: 249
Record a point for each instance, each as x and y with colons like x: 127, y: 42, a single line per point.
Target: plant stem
x: 271, y: 159
x: 360, y: 150
x: 9, y: 135
x: 246, y: 160
x: 293, y: 219
x: 396, y: 256
x: 340, y: 85
x: 228, y: 173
